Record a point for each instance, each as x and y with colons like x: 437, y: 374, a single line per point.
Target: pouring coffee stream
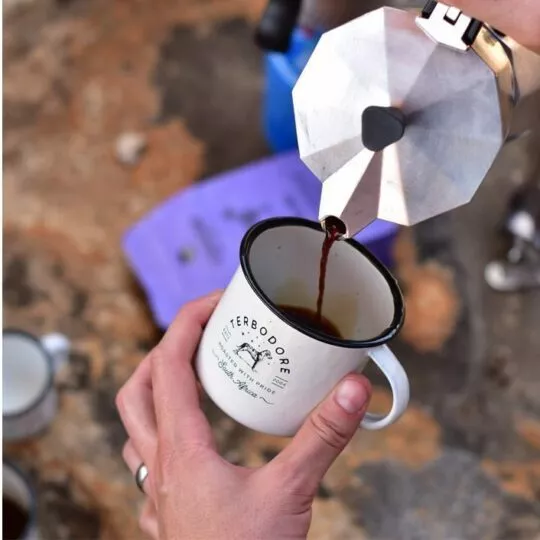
x: 334, y: 230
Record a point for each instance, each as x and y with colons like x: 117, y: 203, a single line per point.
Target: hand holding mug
x: 192, y: 491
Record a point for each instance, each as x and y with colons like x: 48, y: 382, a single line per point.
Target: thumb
x: 325, y: 434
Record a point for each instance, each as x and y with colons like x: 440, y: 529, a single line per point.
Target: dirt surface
x: 463, y: 462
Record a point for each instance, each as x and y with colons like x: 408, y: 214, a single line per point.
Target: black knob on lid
x: 276, y: 25
x: 381, y: 127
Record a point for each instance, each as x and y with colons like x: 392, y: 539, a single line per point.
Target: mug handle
x: 399, y: 383
x: 58, y: 346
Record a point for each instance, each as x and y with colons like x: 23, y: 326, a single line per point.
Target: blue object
x: 282, y: 72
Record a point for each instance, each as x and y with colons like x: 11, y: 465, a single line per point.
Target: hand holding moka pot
x: 401, y: 115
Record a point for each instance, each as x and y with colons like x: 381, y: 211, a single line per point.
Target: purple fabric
x: 188, y: 246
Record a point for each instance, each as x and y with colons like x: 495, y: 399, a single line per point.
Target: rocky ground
x: 463, y: 463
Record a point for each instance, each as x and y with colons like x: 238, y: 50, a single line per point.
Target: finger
x: 148, y: 520
x: 131, y: 457
x: 136, y: 407
x: 521, y: 21
x: 176, y: 395
x: 324, y: 435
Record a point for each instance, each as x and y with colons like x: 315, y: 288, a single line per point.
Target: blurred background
x: 141, y: 139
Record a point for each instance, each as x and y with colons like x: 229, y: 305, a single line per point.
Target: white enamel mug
x: 268, y: 371
x: 29, y: 397
x: 19, y: 505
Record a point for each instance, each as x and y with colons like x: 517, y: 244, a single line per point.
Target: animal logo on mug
x: 255, y: 355
x: 252, y: 359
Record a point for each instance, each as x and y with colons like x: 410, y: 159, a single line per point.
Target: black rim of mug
x: 50, y: 380
x: 399, y: 308
x: 32, y: 505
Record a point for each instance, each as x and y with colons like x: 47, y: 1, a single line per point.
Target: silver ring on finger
x: 140, y: 476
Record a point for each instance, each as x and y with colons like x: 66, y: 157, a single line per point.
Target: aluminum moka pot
x: 402, y: 114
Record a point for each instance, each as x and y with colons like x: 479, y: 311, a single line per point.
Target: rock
x: 130, y: 147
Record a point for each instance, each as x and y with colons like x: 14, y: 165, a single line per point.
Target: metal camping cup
x: 267, y: 371
x: 30, y: 400
x: 19, y: 505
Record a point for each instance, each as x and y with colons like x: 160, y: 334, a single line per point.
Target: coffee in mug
x: 265, y: 357
x: 310, y: 319
x: 18, y: 505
